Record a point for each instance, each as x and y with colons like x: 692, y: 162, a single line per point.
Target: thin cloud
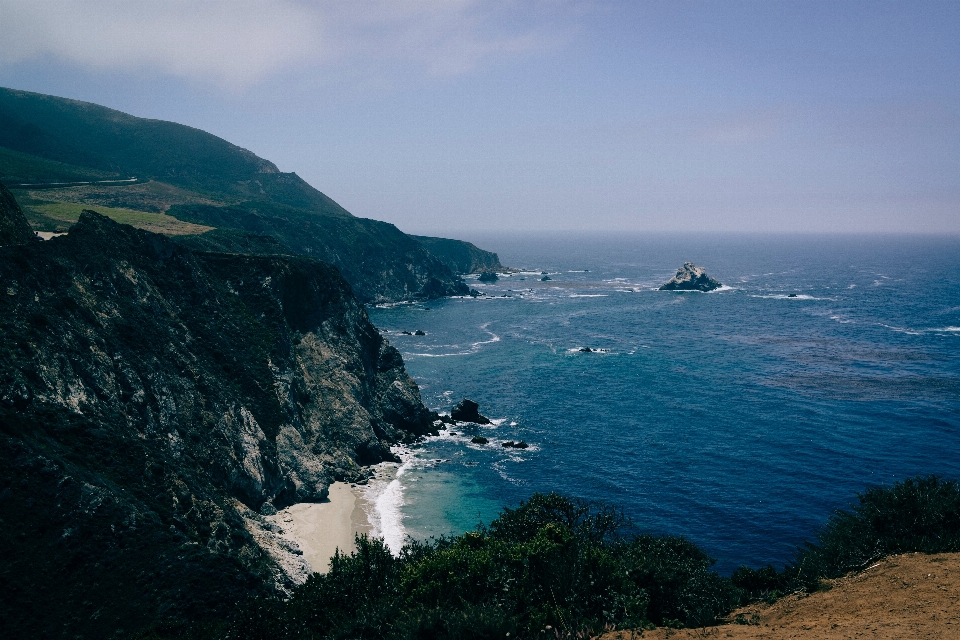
x: 238, y: 43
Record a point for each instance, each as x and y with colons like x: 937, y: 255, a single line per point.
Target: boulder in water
x: 488, y: 276
x: 468, y: 411
x: 690, y: 277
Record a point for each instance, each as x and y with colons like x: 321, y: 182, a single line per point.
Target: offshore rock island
x: 690, y: 277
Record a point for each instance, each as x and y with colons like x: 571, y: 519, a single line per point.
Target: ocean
x: 739, y: 418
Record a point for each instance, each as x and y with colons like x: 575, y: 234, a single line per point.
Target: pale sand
x: 320, y: 528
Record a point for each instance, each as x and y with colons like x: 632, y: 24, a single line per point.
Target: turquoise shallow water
x: 738, y: 418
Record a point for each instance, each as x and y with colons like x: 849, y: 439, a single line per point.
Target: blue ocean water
x: 738, y: 418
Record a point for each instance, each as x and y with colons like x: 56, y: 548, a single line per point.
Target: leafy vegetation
x: 917, y: 515
x: 565, y: 566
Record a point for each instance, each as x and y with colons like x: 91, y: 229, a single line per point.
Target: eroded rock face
x: 154, y: 401
x: 14, y: 228
x: 690, y: 277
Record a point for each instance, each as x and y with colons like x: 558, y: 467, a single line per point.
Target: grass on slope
x: 16, y: 167
x: 63, y: 214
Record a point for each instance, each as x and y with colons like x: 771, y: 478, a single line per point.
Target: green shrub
x: 570, y: 565
x: 919, y: 514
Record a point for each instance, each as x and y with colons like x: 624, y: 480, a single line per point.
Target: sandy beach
x: 321, y: 528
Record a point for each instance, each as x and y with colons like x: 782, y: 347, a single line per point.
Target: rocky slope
x: 196, y: 176
x: 153, y: 402
x: 460, y: 256
x: 14, y: 228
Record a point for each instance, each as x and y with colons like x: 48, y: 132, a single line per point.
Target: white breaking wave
x: 386, y: 499
x: 920, y: 332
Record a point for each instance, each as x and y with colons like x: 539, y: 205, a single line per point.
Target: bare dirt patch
x: 907, y: 596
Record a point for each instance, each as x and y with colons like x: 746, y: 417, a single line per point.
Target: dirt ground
x: 907, y: 596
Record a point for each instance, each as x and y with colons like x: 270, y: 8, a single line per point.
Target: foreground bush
x: 553, y: 565
x: 561, y: 566
x: 915, y: 515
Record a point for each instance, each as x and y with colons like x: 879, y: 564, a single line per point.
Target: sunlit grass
x: 156, y: 222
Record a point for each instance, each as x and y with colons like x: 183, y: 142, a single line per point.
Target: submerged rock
x: 690, y: 277
x: 479, y: 440
x: 468, y: 411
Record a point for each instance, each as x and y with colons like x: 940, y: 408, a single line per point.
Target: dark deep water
x: 738, y: 418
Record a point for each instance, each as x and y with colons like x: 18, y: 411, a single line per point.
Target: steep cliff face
x: 14, y: 228
x: 381, y: 263
x: 460, y: 256
x: 154, y: 400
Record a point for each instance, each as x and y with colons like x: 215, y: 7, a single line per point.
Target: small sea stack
x: 468, y: 411
x: 488, y: 276
x: 690, y: 277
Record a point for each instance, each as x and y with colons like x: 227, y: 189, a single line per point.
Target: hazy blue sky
x: 451, y: 116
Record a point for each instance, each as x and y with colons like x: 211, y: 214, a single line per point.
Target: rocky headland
x: 155, y: 404
x: 60, y: 156
x: 690, y: 277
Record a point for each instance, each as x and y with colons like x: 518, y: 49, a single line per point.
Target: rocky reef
x: 468, y: 411
x: 690, y: 277
x: 153, y: 402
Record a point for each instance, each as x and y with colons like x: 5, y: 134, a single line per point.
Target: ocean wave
x: 588, y: 295
x: 785, y: 296
x: 920, y: 332
x: 474, y: 346
x: 723, y: 288
x: 385, y: 498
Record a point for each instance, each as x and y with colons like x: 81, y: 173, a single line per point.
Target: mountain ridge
x: 49, y: 139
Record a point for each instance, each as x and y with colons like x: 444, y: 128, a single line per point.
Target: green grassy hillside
x: 196, y: 177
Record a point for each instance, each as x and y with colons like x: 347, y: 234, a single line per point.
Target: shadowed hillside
x: 153, y: 402
x: 182, y: 171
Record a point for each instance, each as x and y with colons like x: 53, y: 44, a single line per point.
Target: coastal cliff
x: 154, y: 401
x: 460, y: 256
x: 60, y: 156
x: 14, y: 228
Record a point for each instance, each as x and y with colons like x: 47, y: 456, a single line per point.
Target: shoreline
x: 320, y: 529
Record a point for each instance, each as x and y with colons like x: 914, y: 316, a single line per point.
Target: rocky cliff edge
x: 153, y: 402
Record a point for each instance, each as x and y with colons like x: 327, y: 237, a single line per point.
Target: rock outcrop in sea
x: 690, y: 277
x: 468, y: 411
x: 154, y: 402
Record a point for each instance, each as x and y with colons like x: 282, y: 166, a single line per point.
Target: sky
x: 447, y: 117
